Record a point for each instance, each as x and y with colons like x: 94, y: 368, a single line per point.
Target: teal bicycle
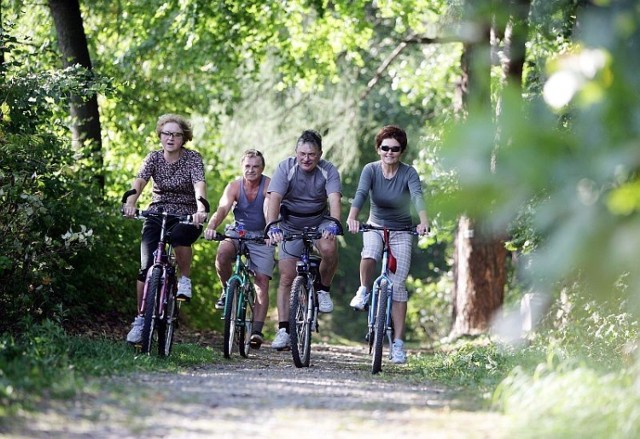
x: 240, y: 295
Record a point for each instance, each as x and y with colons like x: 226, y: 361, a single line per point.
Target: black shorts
x: 182, y: 235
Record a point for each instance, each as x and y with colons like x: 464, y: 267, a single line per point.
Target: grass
x: 46, y: 362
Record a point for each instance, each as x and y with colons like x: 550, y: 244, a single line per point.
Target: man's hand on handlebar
x: 210, y: 234
x: 330, y: 232
x: 275, y: 234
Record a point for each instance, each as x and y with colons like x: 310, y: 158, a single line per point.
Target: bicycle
x: 303, y: 300
x: 160, y: 305
x: 240, y: 296
x: 379, y: 320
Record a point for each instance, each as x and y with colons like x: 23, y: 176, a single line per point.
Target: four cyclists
x: 303, y: 189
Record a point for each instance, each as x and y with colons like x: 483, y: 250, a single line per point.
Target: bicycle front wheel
x: 154, y: 282
x: 230, y: 313
x: 245, y: 318
x: 379, y: 329
x: 300, y: 322
x: 167, y: 325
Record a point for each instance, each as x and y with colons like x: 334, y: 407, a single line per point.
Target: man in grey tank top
x: 303, y: 189
x: 247, y: 196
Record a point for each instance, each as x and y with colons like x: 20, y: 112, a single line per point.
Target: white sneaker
x: 398, y: 355
x: 325, y: 304
x: 184, y: 288
x: 282, y: 340
x: 135, y: 335
x: 360, y: 300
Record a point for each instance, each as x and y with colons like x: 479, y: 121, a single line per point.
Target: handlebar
x: 251, y: 237
x: 367, y: 227
x: 308, y: 232
x: 187, y: 218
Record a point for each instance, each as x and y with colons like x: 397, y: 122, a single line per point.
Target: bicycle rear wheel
x: 167, y: 325
x: 300, y: 322
x: 230, y: 314
x: 379, y: 329
x: 246, y: 318
x: 154, y: 282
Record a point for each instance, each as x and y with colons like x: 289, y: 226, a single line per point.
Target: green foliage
x: 46, y: 187
x: 573, y: 153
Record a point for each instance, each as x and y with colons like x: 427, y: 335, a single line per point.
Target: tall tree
x: 84, y: 109
x: 479, y: 253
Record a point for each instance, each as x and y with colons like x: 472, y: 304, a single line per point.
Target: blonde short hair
x: 184, y: 123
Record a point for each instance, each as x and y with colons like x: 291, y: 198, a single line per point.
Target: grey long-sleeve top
x: 391, y: 199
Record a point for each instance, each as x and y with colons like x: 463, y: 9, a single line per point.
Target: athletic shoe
x: 282, y: 340
x: 220, y: 303
x: 325, y: 304
x: 256, y: 340
x: 184, y: 289
x: 360, y: 300
x: 135, y: 335
x: 398, y: 355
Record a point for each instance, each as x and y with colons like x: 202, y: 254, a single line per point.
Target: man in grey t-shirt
x: 304, y: 188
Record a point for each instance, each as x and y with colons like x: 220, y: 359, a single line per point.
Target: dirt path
x: 263, y: 396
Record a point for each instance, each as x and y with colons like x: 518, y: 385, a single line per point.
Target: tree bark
x: 85, y: 115
x: 479, y: 279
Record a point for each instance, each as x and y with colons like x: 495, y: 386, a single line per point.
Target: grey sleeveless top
x: 251, y: 214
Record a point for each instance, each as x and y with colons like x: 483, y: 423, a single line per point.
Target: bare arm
x: 334, y: 205
x: 352, y: 220
x: 229, y: 196
x: 129, y: 208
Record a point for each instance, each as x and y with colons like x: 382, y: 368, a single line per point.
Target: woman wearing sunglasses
x: 393, y: 187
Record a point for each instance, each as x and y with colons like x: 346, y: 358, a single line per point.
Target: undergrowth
x: 45, y: 361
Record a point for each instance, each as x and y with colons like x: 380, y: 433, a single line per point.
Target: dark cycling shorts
x: 182, y: 235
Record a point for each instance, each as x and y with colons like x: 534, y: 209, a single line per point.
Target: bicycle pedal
x: 183, y: 299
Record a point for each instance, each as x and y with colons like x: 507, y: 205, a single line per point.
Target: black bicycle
x: 160, y: 304
x: 380, y: 324
x: 240, y: 296
x: 303, y: 300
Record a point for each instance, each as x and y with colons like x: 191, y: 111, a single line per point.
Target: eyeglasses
x: 172, y: 135
x: 387, y: 148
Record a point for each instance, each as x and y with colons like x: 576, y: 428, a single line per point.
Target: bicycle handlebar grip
x: 127, y: 194
x: 207, y: 207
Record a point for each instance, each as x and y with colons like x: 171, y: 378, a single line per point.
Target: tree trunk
x: 479, y: 258
x: 84, y: 110
x: 479, y: 278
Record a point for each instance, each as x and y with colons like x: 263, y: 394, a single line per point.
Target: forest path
x: 259, y: 397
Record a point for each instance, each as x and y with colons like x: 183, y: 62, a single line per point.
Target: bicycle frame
x: 240, y: 295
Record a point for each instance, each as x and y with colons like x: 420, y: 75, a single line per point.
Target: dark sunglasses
x: 386, y: 148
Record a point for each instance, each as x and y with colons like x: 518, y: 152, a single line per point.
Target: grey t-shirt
x: 305, y: 192
x: 391, y: 199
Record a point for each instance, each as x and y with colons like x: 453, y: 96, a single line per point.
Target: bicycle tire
x: 230, y: 314
x: 150, y: 303
x: 371, y: 317
x: 300, y: 322
x: 167, y: 325
x: 379, y: 330
x: 246, y: 318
